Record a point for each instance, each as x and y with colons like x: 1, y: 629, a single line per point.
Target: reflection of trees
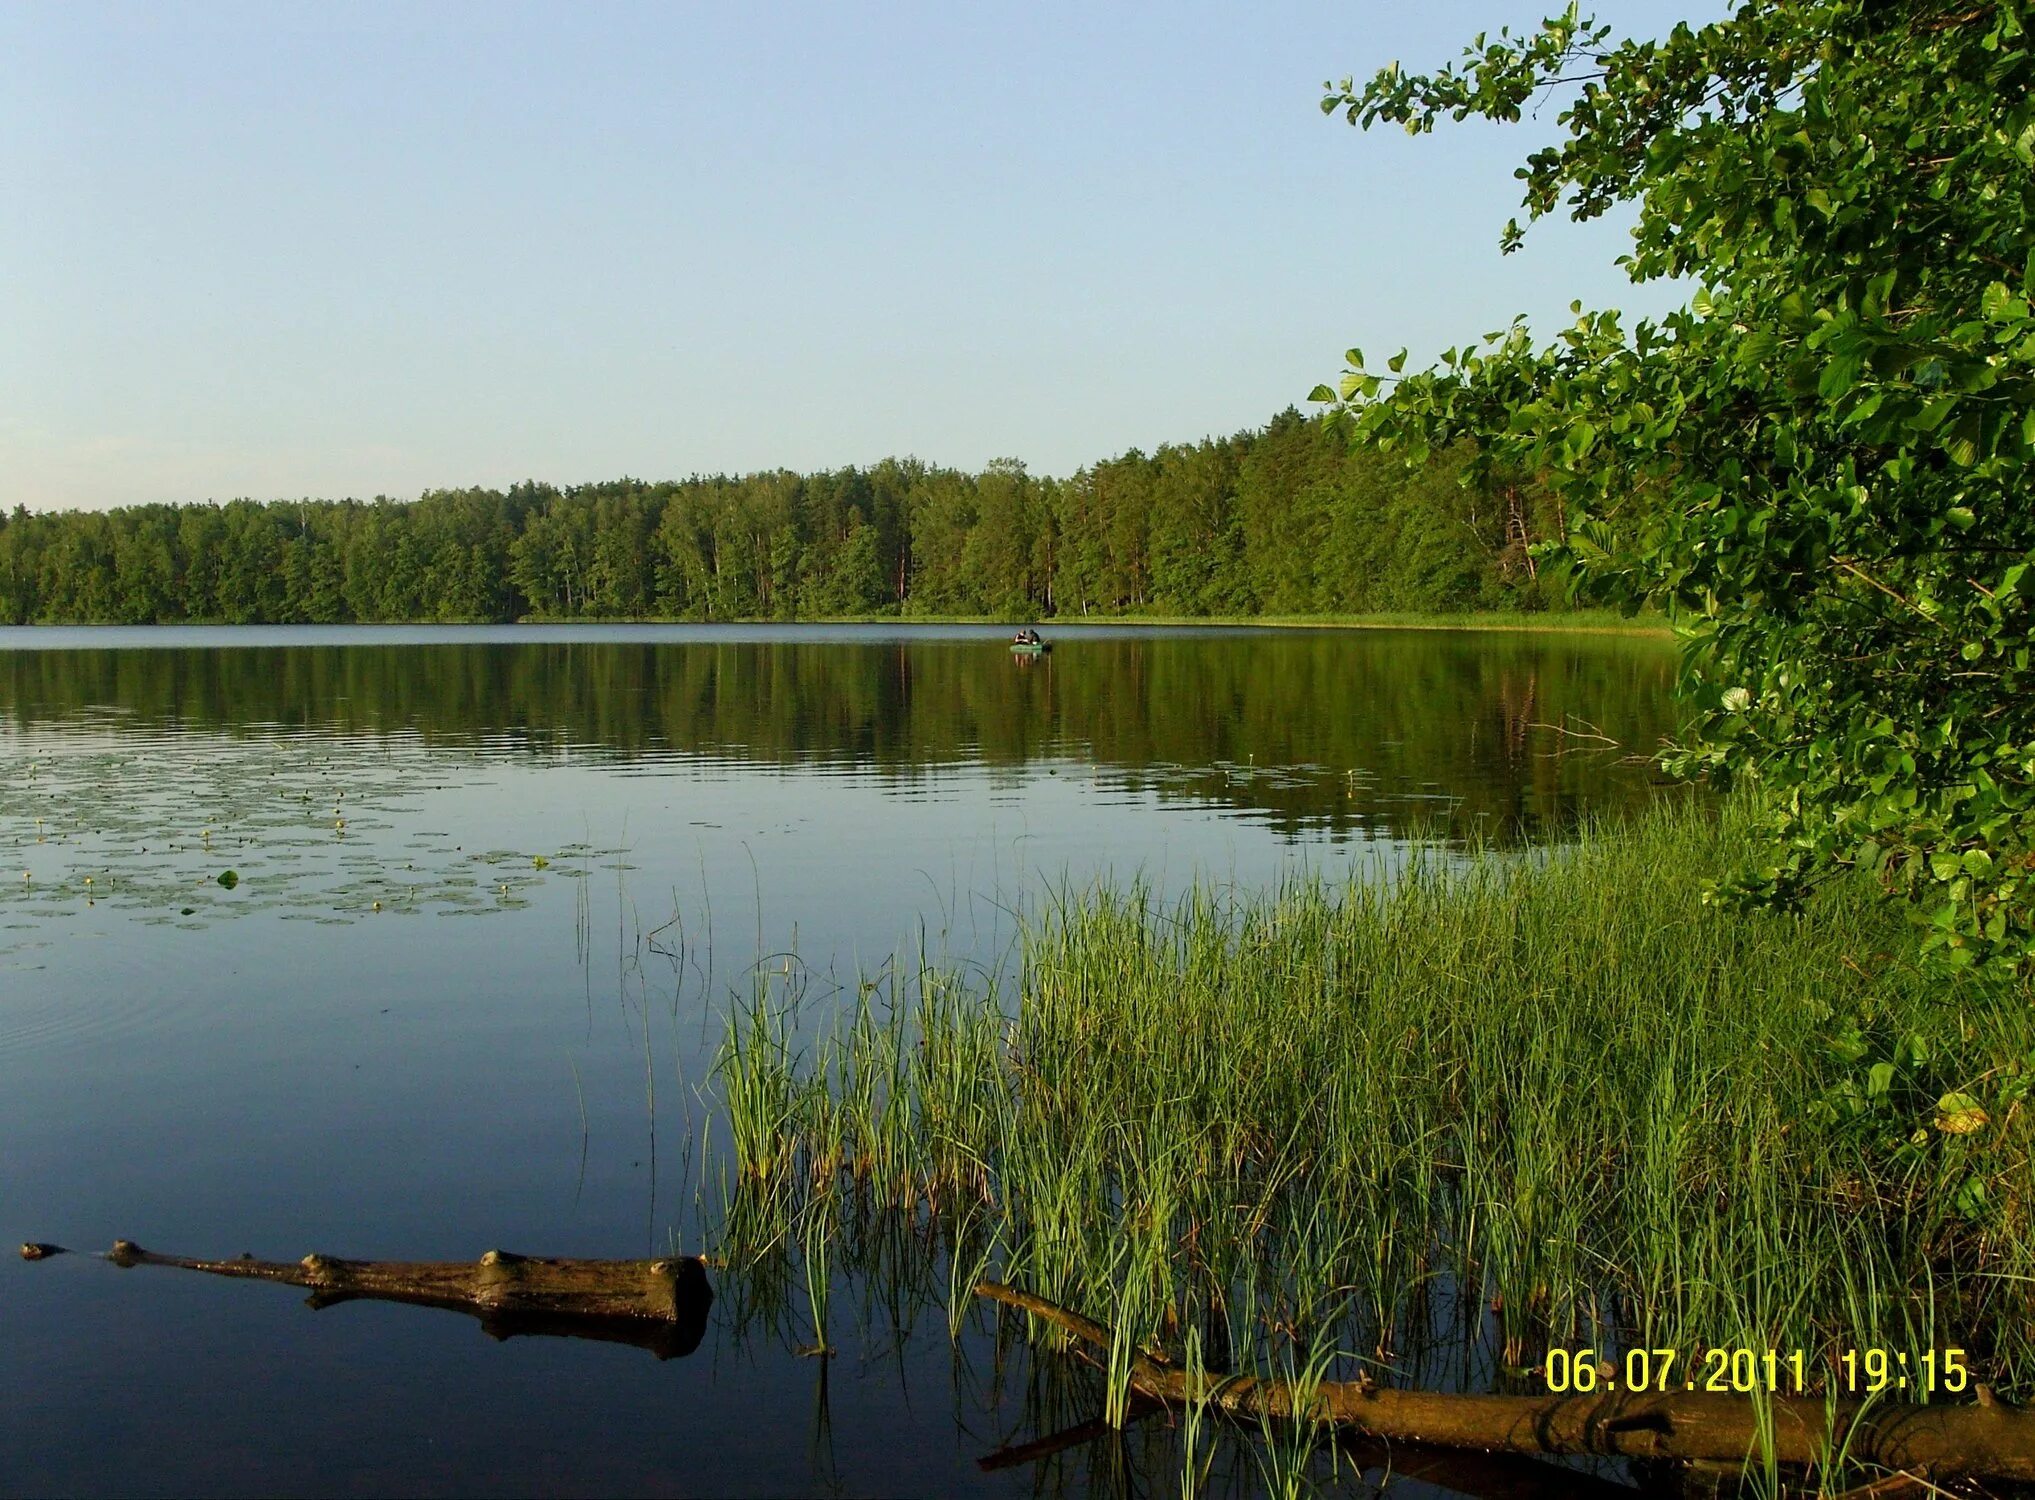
x: 1307, y: 730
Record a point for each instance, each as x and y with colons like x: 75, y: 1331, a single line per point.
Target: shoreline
x: 1590, y: 622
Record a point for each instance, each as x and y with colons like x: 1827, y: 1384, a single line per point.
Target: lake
x: 412, y: 942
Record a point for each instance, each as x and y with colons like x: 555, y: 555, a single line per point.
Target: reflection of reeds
x: 1426, y: 1128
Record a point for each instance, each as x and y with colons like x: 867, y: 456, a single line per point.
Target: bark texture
x: 659, y: 1305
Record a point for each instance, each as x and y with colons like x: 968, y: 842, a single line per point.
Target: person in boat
x: 1026, y: 637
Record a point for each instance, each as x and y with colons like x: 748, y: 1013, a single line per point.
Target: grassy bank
x: 1432, y: 1126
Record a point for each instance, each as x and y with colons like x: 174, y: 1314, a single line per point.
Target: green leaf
x: 1838, y: 377
x: 1933, y: 412
x: 1971, y: 1199
x: 1962, y: 445
x: 1959, y: 1114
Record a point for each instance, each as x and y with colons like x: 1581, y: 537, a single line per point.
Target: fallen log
x: 1986, y: 1440
x: 659, y: 1305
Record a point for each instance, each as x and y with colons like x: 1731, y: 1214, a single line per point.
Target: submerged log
x: 1017, y: 1455
x: 659, y: 1305
x: 1985, y: 1441
x: 1485, y: 1476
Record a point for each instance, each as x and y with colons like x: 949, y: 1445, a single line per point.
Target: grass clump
x: 1433, y: 1123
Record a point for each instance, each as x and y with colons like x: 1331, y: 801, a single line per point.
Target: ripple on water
x: 55, y: 1024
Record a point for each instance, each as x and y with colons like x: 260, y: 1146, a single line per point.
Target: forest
x: 1289, y: 519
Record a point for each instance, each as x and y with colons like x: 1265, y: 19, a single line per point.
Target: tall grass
x: 1429, y: 1126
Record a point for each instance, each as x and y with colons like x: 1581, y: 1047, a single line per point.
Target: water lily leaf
x: 229, y: 878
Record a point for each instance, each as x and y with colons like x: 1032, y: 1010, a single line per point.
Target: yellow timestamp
x: 1743, y: 1371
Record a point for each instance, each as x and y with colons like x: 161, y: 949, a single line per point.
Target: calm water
x: 411, y: 942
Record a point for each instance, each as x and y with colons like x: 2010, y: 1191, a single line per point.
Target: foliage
x: 1821, y: 464
x: 1284, y: 519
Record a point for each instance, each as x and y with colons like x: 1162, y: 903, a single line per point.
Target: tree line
x: 1287, y: 519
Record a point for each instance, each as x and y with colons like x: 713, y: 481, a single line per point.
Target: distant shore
x: 1590, y: 621
x: 1593, y: 621
x: 1574, y: 622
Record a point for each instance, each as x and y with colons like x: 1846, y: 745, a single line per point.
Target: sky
x: 290, y: 249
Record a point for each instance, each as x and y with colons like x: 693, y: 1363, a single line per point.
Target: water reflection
x: 1503, y: 737
x: 320, y: 1071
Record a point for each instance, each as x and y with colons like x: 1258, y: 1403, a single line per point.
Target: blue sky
x: 281, y: 250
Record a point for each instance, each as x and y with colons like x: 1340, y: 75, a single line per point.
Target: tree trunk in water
x: 1986, y: 1440
x: 659, y: 1305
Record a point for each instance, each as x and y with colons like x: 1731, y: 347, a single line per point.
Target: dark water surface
x: 490, y: 890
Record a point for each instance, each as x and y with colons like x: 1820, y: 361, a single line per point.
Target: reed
x: 1431, y: 1123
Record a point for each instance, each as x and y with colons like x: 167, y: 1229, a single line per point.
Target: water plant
x: 1427, y: 1128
